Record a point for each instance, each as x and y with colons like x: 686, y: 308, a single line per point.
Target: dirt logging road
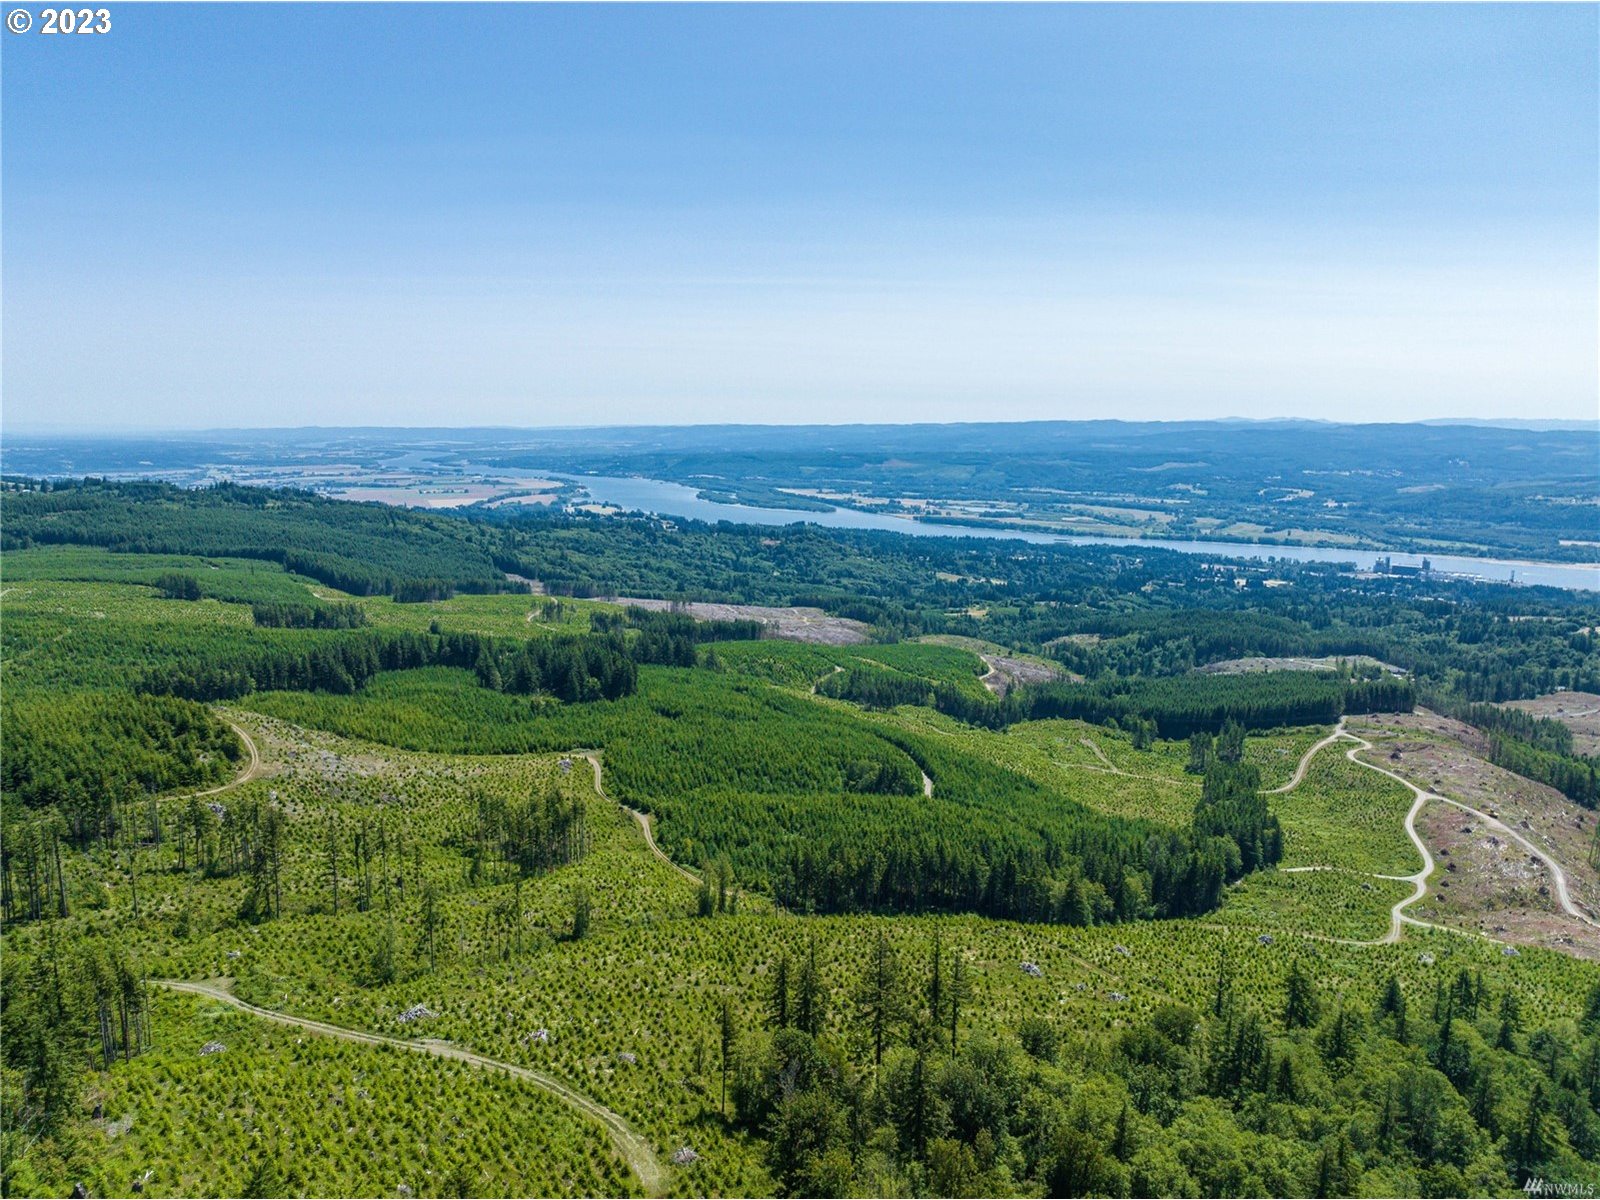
x: 635, y: 1150
x: 593, y: 760
x: 1419, y: 879
x: 1305, y: 761
x: 251, y: 770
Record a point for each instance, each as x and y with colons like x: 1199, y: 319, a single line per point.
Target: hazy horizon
x: 536, y: 217
x: 1532, y: 423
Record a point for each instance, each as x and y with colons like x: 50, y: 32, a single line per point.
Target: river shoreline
x: 664, y: 498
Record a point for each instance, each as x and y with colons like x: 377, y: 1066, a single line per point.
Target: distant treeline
x: 1166, y: 641
x: 1470, y: 646
x: 363, y: 549
x: 587, y: 667
x: 1178, y: 705
x: 601, y: 665
x: 1541, y: 733
x: 1181, y: 705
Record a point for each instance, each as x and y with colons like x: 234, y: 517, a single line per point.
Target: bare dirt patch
x: 1242, y: 666
x: 1426, y: 725
x: 1006, y: 670
x: 1493, y: 885
x: 1578, y: 711
x: 1488, y: 883
x: 1006, y: 673
x: 1079, y: 639
x: 792, y: 624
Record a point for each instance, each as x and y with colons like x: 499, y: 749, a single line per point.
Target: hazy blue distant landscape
x: 1468, y: 489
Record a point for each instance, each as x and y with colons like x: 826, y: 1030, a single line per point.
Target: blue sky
x: 502, y: 214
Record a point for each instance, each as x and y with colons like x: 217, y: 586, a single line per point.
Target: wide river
x: 675, y: 500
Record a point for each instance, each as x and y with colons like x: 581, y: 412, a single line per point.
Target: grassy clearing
x: 1148, y: 784
x: 1328, y: 903
x: 1344, y: 815
x: 1057, y: 756
x: 67, y: 635
x: 800, y: 665
x: 231, y: 580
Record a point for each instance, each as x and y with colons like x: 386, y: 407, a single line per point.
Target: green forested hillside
x: 358, y: 548
x: 1133, y: 934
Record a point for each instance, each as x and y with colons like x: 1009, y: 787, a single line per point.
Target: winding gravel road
x: 1419, y: 879
x: 251, y: 770
x: 644, y: 823
x: 633, y: 1147
x: 1305, y: 761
